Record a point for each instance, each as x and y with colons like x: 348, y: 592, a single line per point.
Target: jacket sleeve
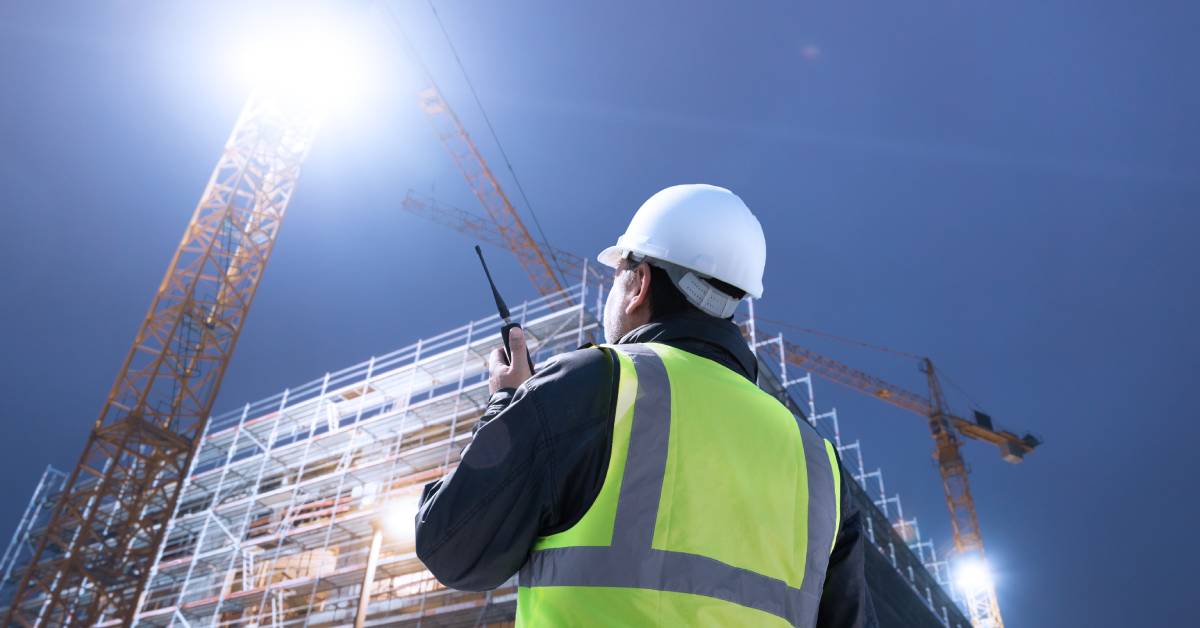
x: 846, y: 600
x: 521, y: 476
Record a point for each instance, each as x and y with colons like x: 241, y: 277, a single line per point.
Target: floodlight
x: 972, y: 575
x: 399, y: 516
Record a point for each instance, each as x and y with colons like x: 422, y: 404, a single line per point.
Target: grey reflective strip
x: 678, y: 572
x: 631, y: 562
x: 822, y: 510
x: 646, y: 463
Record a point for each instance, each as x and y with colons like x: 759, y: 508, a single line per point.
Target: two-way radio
x: 505, y: 316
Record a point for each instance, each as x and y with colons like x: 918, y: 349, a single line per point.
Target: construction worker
x: 650, y: 482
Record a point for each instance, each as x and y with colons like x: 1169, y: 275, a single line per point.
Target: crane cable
x: 843, y: 339
x: 974, y: 404
x: 860, y: 343
x: 520, y: 188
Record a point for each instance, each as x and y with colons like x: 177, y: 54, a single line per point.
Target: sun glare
x: 316, y: 62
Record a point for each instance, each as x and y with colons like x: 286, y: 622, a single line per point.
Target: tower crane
x: 983, y: 608
x: 945, y: 427
x: 506, y: 222
x: 93, y: 560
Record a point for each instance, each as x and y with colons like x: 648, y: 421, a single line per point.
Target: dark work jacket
x: 539, y: 456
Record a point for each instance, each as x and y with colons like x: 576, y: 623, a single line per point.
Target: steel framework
x: 23, y: 544
x: 93, y: 559
x: 278, y: 514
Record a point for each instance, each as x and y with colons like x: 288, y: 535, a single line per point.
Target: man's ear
x: 639, y: 293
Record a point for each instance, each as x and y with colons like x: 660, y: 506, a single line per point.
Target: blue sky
x: 1009, y: 188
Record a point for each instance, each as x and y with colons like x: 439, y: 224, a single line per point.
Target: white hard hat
x: 701, y: 228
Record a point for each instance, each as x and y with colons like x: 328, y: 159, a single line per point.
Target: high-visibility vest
x: 718, y: 509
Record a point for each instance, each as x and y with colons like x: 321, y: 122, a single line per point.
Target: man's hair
x: 666, y: 298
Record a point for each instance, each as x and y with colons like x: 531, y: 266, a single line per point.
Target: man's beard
x: 612, y: 330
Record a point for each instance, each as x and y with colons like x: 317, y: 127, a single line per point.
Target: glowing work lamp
x: 972, y: 575
x: 976, y: 589
x: 397, y: 519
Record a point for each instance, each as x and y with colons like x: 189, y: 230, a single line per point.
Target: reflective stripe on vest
x: 631, y: 561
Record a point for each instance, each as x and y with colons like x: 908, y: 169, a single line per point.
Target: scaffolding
x: 22, y: 546
x: 278, y: 511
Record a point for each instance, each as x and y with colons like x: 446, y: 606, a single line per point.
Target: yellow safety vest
x: 718, y: 509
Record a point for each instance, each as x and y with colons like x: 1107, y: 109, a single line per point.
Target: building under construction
x: 281, y: 504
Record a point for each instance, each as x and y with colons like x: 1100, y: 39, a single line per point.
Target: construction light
x: 399, y: 517
x: 972, y: 575
x: 318, y: 61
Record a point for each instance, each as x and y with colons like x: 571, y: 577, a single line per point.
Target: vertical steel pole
x: 364, y: 597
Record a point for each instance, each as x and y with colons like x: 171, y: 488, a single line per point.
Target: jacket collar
x: 719, y: 340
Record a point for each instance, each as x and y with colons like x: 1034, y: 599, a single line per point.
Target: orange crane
x: 509, y: 226
x: 506, y: 222
x: 93, y: 561
x: 983, y: 608
x: 481, y: 228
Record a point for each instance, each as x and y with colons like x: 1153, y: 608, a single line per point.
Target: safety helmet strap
x: 706, y: 297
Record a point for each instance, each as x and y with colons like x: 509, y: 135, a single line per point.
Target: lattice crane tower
x: 93, y: 560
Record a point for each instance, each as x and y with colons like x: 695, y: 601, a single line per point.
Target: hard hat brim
x: 611, y: 256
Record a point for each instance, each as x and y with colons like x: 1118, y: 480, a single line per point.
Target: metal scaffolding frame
x: 22, y: 546
x: 278, y: 513
x: 278, y: 510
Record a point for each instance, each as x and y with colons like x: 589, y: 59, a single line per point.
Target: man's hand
x: 503, y: 374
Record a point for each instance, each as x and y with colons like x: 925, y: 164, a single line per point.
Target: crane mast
x: 983, y: 608
x: 92, y: 562
x: 947, y: 453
